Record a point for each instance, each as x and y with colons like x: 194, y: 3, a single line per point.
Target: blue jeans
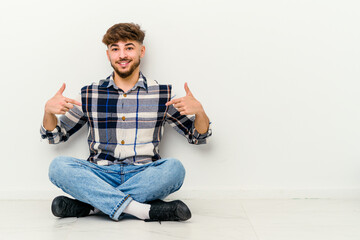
x: 111, y: 188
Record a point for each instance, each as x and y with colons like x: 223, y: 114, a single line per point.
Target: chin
x: 125, y: 74
x: 129, y: 70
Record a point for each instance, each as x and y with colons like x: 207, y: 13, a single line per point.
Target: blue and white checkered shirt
x: 124, y: 127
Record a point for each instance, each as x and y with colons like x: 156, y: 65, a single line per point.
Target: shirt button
x: 122, y: 142
x: 123, y: 118
x: 125, y: 95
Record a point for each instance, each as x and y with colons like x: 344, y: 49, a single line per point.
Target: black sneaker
x: 168, y: 211
x: 66, y: 207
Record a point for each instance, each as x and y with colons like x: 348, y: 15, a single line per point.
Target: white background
x: 278, y: 79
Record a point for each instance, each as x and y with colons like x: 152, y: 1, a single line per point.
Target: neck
x: 127, y: 83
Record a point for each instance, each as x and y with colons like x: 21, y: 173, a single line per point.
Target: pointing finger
x: 174, y: 101
x: 178, y: 105
x: 69, y: 100
x: 68, y: 105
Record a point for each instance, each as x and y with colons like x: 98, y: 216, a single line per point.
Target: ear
x: 107, y: 53
x: 142, y: 51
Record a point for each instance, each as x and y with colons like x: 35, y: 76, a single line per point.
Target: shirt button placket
x: 123, y: 117
x: 122, y: 100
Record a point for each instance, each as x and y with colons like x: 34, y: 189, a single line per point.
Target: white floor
x: 293, y: 219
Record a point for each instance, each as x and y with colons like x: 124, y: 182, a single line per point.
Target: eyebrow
x: 116, y: 45
x: 130, y: 44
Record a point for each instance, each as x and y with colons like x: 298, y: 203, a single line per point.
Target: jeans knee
x: 176, y: 170
x: 57, y: 168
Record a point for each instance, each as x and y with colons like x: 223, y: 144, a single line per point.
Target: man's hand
x: 59, y: 104
x: 187, y: 105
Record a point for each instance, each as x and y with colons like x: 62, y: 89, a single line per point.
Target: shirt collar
x: 109, y: 82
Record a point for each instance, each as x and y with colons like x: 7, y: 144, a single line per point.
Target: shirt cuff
x: 198, y: 135
x: 49, y: 134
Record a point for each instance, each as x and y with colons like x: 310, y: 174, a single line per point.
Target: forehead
x: 125, y: 43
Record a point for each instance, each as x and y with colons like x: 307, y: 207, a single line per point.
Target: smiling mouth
x: 123, y: 63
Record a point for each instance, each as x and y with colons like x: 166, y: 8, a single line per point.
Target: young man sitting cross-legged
x: 125, y: 113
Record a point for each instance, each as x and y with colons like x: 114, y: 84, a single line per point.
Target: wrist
x: 200, y: 112
x: 48, y: 113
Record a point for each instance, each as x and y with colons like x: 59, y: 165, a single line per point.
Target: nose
x: 122, y: 54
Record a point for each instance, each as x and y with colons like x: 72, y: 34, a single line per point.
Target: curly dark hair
x: 123, y: 32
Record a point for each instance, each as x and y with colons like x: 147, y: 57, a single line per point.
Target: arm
x: 197, y: 128
x: 202, y: 122
x: 49, y: 121
x: 71, y: 119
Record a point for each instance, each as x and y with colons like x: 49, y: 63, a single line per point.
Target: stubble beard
x: 128, y: 73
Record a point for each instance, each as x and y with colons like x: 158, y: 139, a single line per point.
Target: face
x: 124, y: 57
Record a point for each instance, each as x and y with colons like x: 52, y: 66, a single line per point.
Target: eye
x: 130, y: 48
x: 114, y: 49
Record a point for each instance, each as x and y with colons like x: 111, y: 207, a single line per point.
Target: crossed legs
x: 112, y: 188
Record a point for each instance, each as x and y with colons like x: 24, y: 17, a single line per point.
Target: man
x: 125, y: 113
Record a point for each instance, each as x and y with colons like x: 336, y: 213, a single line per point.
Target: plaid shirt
x: 124, y: 127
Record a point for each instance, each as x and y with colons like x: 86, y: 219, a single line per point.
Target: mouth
x: 123, y: 63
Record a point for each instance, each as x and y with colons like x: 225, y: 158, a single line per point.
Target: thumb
x: 187, y: 89
x: 61, y: 90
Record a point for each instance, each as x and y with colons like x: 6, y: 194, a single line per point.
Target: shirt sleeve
x: 185, y: 125
x: 67, y: 125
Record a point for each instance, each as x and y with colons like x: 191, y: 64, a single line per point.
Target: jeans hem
x: 120, y: 207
